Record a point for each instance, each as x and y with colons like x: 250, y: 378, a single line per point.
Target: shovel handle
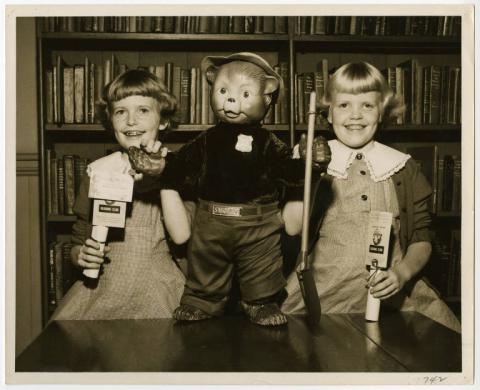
x: 308, y: 179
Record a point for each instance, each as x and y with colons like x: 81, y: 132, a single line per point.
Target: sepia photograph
x: 323, y: 155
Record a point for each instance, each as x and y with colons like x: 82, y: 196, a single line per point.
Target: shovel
x: 304, y: 272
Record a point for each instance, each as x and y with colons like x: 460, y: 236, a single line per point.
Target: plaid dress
x: 139, y: 278
x: 339, y: 255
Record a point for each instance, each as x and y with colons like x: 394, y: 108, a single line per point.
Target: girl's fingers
x: 379, y: 277
x: 382, y: 286
x: 387, y: 293
x: 156, y: 146
x: 138, y: 176
x: 164, y: 152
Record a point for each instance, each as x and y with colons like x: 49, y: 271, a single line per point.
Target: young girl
x: 369, y: 176
x: 139, y: 279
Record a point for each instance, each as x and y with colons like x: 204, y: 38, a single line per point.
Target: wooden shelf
x: 160, y: 36
x: 379, y: 43
x: 97, y: 128
x: 400, y: 128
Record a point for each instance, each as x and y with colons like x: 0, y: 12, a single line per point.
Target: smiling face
x: 135, y: 120
x: 355, y: 117
x: 238, y: 98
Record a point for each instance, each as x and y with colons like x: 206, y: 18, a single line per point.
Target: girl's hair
x: 136, y: 82
x: 362, y: 77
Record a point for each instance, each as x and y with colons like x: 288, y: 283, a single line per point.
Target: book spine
x: 79, y: 72
x: 49, y: 101
x: 48, y: 157
x: 435, y: 95
x: 185, y: 96
x: 169, y: 77
x: 68, y: 166
x: 51, y: 291
x: 427, y: 75
x: 284, y: 74
x: 53, y: 185
x: 300, y: 101
x: 448, y: 167
x: 308, y: 87
x: 457, y: 184
x: 198, y: 97
x: 61, y: 186
x: 68, y: 95
x: 58, y: 272
x: 440, y: 166
x: 205, y: 100
x: 98, y: 86
x: 193, y: 94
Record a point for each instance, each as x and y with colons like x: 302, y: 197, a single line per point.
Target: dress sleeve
x: 82, y: 228
x: 421, y: 216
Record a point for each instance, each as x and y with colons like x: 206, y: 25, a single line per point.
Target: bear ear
x: 271, y: 85
x: 211, y: 74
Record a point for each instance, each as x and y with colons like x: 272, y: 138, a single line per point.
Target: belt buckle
x: 226, y: 211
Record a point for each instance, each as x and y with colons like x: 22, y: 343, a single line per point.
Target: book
x: 60, y: 89
x: 58, y: 258
x: 322, y: 67
x: 51, y: 275
x: 440, y: 184
x: 68, y: 270
x: 185, y: 96
x: 457, y: 184
x: 168, y: 24
x: 300, y: 99
x: 193, y: 94
x: 175, y: 81
x: 238, y: 24
x: 280, y: 25
x: 48, y: 156
x: 169, y: 77
x: 69, y: 183
x: 409, y: 69
x: 284, y: 74
x: 308, y: 87
x: 68, y: 95
x: 198, y: 97
x: 268, y: 24
x: 49, y: 102
x: 435, y: 91
x: 90, y: 97
x: 427, y: 85
x: 448, y: 168
x: 454, y: 269
x: 454, y: 81
x: 99, y: 84
x: 319, y: 25
x: 79, y: 87
x: 53, y: 184
x: 400, y: 91
x: 205, y: 100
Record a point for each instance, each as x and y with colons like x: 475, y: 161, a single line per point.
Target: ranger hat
x: 253, y: 58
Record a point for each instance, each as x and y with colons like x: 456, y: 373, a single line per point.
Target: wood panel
x: 28, y: 274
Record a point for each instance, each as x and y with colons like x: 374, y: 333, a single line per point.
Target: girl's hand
x: 386, y: 283
x: 90, y: 255
x: 148, y: 159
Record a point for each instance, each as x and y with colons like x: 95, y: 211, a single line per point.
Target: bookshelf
x: 295, y: 44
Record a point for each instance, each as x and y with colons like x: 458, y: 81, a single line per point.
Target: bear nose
x: 231, y: 100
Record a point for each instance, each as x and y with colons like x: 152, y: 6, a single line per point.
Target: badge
x: 244, y: 143
x: 378, y: 238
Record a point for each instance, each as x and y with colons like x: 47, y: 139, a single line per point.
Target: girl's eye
x: 246, y: 94
x: 343, y: 105
x: 223, y: 91
x: 144, y: 110
x: 368, y: 106
x: 119, y: 112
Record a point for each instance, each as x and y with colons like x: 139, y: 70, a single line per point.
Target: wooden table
x: 400, y: 342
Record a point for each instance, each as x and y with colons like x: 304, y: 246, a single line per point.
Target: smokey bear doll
x: 238, y: 171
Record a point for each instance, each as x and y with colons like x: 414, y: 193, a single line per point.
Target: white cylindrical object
x: 99, y: 234
x: 372, y: 310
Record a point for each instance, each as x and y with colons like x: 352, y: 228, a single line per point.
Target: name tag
x: 226, y: 211
x: 378, y: 238
x: 111, y: 186
x: 109, y: 213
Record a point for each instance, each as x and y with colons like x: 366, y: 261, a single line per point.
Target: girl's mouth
x: 231, y: 115
x: 133, y: 133
x: 354, y: 127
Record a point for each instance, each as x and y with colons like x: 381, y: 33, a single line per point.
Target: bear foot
x: 189, y: 313
x: 268, y: 314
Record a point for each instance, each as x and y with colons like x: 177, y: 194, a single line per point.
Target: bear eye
x: 246, y: 94
x: 223, y: 91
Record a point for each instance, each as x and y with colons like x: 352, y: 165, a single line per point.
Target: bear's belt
x: 235, y: 210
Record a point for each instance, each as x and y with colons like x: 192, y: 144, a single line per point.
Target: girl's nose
x: 356, y: 112
x: 131, y: 119
x: 231, y: 100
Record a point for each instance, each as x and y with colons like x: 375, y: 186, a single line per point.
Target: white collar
x: 382, y: 161
x: 116, y: 162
